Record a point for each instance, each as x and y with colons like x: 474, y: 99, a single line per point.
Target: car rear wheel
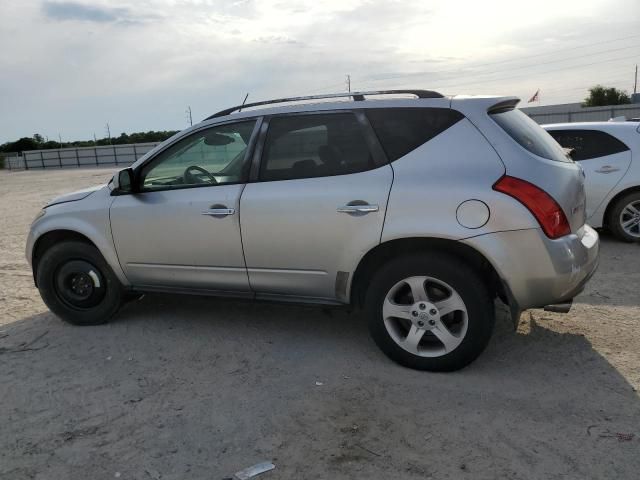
x: 624, y: 218
x: 78, y: 285
x: 429, y: 312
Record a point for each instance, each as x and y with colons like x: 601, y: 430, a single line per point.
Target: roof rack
x: 357, y: 96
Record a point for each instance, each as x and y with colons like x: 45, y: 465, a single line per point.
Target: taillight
x: 549, y: 214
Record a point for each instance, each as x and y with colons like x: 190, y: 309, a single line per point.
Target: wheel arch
x: 614, y: 200
x: 384, y: 252
x: 51, y: 238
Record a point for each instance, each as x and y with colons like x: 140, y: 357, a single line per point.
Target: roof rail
x: 357, y: 96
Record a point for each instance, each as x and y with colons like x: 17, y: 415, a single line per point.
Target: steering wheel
x: 190, y: 178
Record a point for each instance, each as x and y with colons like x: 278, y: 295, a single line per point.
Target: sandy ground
x: 198, y: 388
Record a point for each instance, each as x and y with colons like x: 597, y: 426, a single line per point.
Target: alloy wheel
x: 425, y: 316
x: 630, y: 219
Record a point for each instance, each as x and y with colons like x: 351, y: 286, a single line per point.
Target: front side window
x: 529, y: 135
x: 214, y: 156
x: 587, y: 144
x: 306, y: 146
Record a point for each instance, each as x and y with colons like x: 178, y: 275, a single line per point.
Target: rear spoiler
x: 503, y: 106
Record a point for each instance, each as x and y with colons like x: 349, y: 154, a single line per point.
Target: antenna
x: 244, y: 101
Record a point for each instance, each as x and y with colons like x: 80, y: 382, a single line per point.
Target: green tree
x: 38, y: 142
x: 25, y: 143
x: 600, y: 96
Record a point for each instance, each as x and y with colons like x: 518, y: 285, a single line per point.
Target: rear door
x: 316, y: 205
x: 603, y: 157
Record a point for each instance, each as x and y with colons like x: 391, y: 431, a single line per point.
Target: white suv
x: 423, y: 210
x: 609, y: 153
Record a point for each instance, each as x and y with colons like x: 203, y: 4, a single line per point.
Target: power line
x: 500, y: 78
x: 318, y: 89
x: 400, y: 75
x: 522, y: 67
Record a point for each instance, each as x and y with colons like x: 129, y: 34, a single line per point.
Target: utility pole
x: 635, y: 83
x: 348, y: 83
x: 60, y: 139
x: 108, y: 132
x: 189, y: 113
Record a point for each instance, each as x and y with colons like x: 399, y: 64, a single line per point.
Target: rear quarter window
x: 401, y: 130
x: 587, y: 144
x: 529, y: 134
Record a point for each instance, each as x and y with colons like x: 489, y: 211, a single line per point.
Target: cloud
x: 84, y: 68
x: 62, y: 11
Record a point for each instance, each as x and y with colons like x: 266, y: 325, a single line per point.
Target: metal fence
x: 557, y: 114
x: 79, y: 157
x: 12, y: 160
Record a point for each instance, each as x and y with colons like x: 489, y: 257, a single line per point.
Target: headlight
x: 39, y: 215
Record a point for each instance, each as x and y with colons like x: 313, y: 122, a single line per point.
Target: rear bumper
x: 536, y: 270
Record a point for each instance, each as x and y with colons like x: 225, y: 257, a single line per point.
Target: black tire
x: 67, y: 263
x: 613, y: 219
x: 464, y: 280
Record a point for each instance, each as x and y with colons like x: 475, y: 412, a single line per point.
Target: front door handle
x: 607, y: 169
x: 218, y: 212
x: 358, y: 208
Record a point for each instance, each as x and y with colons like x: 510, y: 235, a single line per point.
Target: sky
x: 70, y: 67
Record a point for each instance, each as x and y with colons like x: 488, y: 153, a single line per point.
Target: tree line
x: 598, y: 96
x: 38, y: 142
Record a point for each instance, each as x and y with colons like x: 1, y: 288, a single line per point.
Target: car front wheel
x: 429, y: 312
x: 78, y: 285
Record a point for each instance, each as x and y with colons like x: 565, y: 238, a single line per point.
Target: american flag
x: 535, y: 97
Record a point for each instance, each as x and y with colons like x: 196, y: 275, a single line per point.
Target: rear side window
x: 529, y: 134
x: 401, y: 130
x: 588, y: 143
x: 305, y: 146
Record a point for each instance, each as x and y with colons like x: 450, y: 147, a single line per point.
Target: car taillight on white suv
x: 544, y: 208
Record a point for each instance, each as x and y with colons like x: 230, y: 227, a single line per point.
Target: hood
x: 74, y: 196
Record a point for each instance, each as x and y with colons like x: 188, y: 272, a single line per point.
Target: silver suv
x: 422, y: 211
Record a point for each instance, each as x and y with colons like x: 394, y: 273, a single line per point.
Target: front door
x: 316, y: 207
x: 182, y: 228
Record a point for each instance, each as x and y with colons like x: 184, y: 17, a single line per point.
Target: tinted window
x: 304, y: 146
x: 209, y: 157
x: 401, y: 130
x: 529, y: 135
x: 588, y: 143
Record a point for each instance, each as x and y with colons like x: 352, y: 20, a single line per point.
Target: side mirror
x: 123, y: 181
x: 570, y: 152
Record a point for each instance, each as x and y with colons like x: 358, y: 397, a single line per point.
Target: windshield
x: 530, y: 135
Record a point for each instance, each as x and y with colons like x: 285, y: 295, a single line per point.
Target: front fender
x: 88, y: 217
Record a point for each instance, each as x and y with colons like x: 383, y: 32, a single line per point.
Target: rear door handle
x: 358, y: 208
x: 607, y: 169
x: 219, y: 212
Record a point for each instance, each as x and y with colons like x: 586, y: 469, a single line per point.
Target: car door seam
x: 113, y: 241
x: 244, y: 257
x: 384, y: 217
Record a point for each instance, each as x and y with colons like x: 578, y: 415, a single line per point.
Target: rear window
x: 588, y: 144
x: 529, y: 135
x: 401, y: 130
